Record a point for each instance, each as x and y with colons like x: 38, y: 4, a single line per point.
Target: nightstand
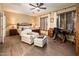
x: 13, y: 32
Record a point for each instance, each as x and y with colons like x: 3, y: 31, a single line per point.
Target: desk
x: 61, y: 34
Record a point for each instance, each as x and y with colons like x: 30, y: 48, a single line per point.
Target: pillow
x: 30, y: 33
x: 28, y: 30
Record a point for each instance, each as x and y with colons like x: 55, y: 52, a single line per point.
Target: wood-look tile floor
x: 13, y: 46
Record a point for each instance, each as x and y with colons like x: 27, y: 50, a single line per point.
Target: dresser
x: 50, y: 32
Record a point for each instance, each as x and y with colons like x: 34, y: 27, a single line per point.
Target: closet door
x: 77, y: 31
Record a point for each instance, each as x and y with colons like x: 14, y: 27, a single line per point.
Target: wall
x: 51, y: 19
x: 50, y: 24
x: 36, y: 22
x: 14, y: 18
x: 66, y: 9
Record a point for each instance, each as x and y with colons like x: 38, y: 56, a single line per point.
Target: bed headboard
x: 23, y: 26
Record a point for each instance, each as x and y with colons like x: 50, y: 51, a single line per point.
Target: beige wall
x: 14, y: 18
x: 51, y: 24
x: 35, y: 21
x: 17, y: 18
x: 22, y: 18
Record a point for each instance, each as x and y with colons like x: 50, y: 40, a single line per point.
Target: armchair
x: 28, y: 36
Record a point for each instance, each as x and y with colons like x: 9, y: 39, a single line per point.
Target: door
x: 2, y: 27
x: 77, y: 31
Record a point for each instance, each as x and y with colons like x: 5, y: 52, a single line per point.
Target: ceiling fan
x: 38, y: 6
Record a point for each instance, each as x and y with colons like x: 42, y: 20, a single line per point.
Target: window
x: 67, y: 20
x: 70, y: 20
x: 43, y: 23
x: 62, y: 21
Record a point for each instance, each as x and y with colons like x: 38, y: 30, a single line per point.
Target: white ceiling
x: 25, y: 8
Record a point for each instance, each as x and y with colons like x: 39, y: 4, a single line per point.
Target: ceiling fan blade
x: 32, y: 5
x: 41, y: 4
x: 32, y: 8
x: 42, y: 7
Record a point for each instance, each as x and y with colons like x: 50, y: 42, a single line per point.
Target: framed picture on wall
x: 51, y: 20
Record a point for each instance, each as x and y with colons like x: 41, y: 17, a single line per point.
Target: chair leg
x: 54, y: 37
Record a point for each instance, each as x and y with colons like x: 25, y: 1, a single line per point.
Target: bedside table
x: 13, y: 32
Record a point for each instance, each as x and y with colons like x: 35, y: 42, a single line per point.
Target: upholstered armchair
x: 40, y: 41
x: 28, y: 36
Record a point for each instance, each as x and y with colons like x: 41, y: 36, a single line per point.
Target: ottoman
x: 40, y: 41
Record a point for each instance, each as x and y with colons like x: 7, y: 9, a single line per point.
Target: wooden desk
x: 62, y: 33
